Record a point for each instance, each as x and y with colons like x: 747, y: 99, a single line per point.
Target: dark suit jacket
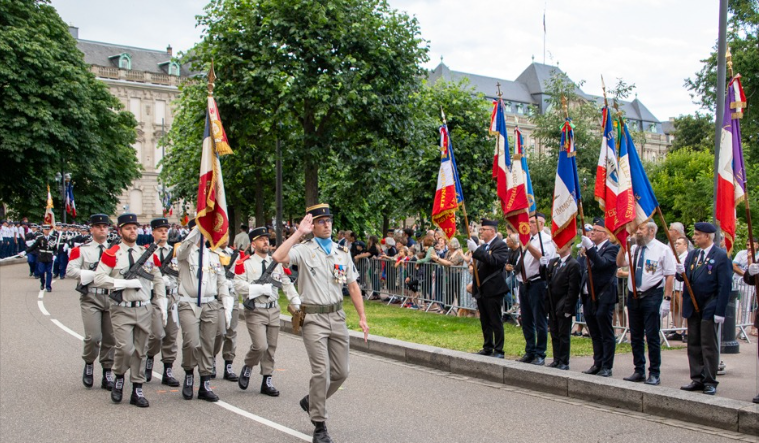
x: 604, y: 267
x: 563, y: 285
x: 490, y: 267
x: 711, y: 283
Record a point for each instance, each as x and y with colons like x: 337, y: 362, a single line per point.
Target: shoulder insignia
x: 156, y: 260
x: 287, y: 271
x: 240, y: 264
x: 109, y: 256
x: 343, y: 248
x: 75, y: 253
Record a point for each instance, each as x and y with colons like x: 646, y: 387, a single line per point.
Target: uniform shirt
x: 214, y: 283
x: 249, y: 269
x: 115, y: 262
x: 85, y: 257
x: 167, y: 251
x: 531, y: 265
x: 320, y: 275
x: 741, y: 259
x: 5, y: 232
x: 242, y: 241
x: 658, y: 263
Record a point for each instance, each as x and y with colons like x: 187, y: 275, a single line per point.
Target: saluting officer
x: 44, y: 246
x: 323, y: 269
x: 163, y: 336
x: 200, y: 324
x: 95, y: 303
x: 261, y: 309
x: 131, y: 317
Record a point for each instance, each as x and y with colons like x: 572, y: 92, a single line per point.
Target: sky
x: 653, y: 44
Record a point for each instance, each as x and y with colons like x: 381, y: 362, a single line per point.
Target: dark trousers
x: 32, y: 260
x: 63, y: 262
x: 5, y: 248
x: 560, y: 327
x: 490, y: 321
x: 532, y: 298
x: 643, y: 314
x: 601, y: 330
x: 45, y: 271
x: 703, y: 353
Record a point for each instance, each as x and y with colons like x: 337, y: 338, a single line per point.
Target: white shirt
x: 678, y: 284
x: 658, y: 263
x: 741, y: 259
x: 531, y: 265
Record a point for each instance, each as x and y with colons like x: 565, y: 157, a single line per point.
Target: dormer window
x: 174, y: 69
x: 124, y: 60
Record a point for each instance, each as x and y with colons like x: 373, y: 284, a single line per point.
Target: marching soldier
x: 44, y: 246
x: 324, y: 268
x: 226, y: 342
x: 261, y: 309
x: 199, y: 316
x: 95, y: 304
x: 163, y: 337
x: 131, y: 310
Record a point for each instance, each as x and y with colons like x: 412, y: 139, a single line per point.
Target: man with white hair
x: 677, y: 230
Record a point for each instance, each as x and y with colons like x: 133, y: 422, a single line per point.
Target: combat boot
x: 118, y: 389
x: 137, y: 398
x: 244, y: 379
x: 107, y: 382
x: 168, y: 377
x: 268, y: 388
x: 320, y: 433
x: 189, y: 382
x: 87, y: 375
x: 213, y: 370
x: 205, y: 392
x: 148, y: 369
x: 229, y: 373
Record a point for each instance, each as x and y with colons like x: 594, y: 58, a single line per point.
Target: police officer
x: 710, y: 273
x: 199, y: 317
x: 31, y: 257
x: 323, y: 268
x: 130, y: 317
x: 44, y: 246
x: 163, y: 337
x: 226, y: 342
x: 261, y: 309
x: 95, y: 304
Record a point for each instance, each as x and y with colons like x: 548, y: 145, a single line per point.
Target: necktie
x: 131, y: 258
x: 701, y: 258
x: 100, y: 254
x: 263, y: 267
x: 639, y: 267
x: 163, y: 256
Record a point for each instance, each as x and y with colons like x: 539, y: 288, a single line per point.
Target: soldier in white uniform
x: 131, y: 310
x: 199, y: 318
x: 226, y: 342
x: 261, y: 309
x: 323, y: 268
x: 94, y: 303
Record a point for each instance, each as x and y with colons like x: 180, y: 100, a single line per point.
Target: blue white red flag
x: 625, y: 215
x: 566, y: 194
x: 446, y: 195
x: 645, y: 200
x: 70, y: 203
x: 519, y: 151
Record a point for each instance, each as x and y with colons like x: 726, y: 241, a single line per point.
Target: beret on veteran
x: 705, y: 227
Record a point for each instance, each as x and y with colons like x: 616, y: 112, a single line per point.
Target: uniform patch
x: 156, y: 260
x: 109, y: 256
x: 240, y: 264
x: 75, y: 253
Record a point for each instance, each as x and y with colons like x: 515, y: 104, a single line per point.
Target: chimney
x: 169, y: 50
x: 74, y: 31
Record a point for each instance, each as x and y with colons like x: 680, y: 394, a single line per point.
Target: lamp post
x: 63, y: 178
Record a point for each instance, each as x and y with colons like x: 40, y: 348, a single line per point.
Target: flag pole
x: 632, y: 266
x: 677, y: 258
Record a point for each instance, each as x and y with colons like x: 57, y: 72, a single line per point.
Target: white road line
x: 41, y: 305
x: 67, y: 330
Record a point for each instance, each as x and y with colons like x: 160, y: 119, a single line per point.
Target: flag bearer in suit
x: 563, y: 275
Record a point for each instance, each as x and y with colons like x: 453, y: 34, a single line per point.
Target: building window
x: 125, y: 61
x: 520, y: 109
x: 160, y: 112
x: 652, y: 128
x: 507, y: 107
x: 134, y: 108
x: 174, y: 69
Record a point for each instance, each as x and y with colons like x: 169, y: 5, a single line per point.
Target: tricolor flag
x: 731, y: 181
x: 519, y: 152
x: 212, y: 217
x: 448, y: 194
x: 645, y: 200
x: 625, y: 214
x: 566, y: 194
x: 49, y: 216
x: 70, y: 203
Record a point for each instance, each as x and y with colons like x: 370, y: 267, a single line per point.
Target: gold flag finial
x: 442, y: 115
x: 603, y: 86
x: 564, y: 106
x: 211, y: 79
x: 498, y: 89
x: 729, y: 59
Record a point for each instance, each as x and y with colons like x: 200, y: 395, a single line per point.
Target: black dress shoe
x: 320, y: 433
x: 604, y: 373
x: 189, y: 382
x: 484, y: 352
x: 498, y: 355
x: 87, y: 375
x: 539, y: 361
x: 268, y: 388
x: 653, y: 380
x: 636, y: 377
x: 693, y: 386
x: 168, y: 377
x: 526, y: 358
x: 244, y: 378
x: 675, y: 336
x: 137, y: 398
x: 563, y: 367
x: 229, y: 373
x: 756, y: 399
x: 710, y: 390
x: 148, y: 369
x: 205, y: 392
x: 554, y: 364
x: 107, y: 382
x: 592, y: 371
x: 304, y: 404
x: 118, y: 389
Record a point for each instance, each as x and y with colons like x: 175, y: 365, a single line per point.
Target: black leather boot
x: 87, y: 375
x: 189, y: 382
x: 244, y: 379
x: 107, y: 382
x: 137, y: 398
x: 229, y: 373
x: 320, y: 433
x: 304, y: 404
x: 205, y: 392
x: 118, y: 388
x: 148, y: 369
x: 168, y: 377
x: 268, y: 388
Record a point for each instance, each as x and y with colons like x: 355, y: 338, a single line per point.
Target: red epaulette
x: 75, y: 253
x: 109, y: 256
x: 287, y: 271
x: 156, y: 260
x: 240, y: 264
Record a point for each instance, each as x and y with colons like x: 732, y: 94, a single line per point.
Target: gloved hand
x: 719, y: 320
x: 471, y: 245
x: 544, y: 260
x: 664, y: 308
x: 254, y: 290
x: 119, y: 284
x: 566, y: 315
x: 753, y: 269
x: 680, y: 268
x: 293, y: 308
x: 163, y: 306
x: 22, y: 254
x: 229, y: 304
x: 193, y: 236
x: 587, y: 243
x: 167, y: 282
x: 86, y: 277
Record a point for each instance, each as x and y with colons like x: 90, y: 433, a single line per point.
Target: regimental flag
x: 510, y: 177
x: 49, y: 216
x: 448, y: 194
x: 566, y: 194
x: 731, y: 181
x: 519, y: 152
x: 625, y: 214
x: 645, y: 200
x: 212, y: 217
x: 168, y: 208
x: 70, y: 203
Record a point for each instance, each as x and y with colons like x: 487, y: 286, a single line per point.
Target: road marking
x: 41, y: 305
x: 67, y: 330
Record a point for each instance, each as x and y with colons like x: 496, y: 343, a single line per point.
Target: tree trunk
x: 385, y: 225
x: 260, y: 221
x: 312, y: 182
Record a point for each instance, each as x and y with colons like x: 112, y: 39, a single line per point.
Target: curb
x: 717, y: 412
x: 14, y: 261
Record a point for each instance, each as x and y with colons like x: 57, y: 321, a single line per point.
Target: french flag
x: 566, y: 192
x: 446, y: 201
x: 645, y: 200
x: 625, y: 215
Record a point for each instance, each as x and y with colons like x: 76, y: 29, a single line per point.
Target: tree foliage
x: 55, y: 115
x: 695, y: 132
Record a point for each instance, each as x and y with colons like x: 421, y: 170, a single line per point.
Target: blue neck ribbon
x: 325, y: 244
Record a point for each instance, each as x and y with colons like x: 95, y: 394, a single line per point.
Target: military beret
x: 159, y: 222
x: 598, y: 221
x: 257, y: 232
x: 318, y: 211
x: 541, y: 215
x: 492, y: 223
x: 706, y: 228
x: 127, y: 219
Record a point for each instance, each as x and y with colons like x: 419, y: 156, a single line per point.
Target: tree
x: 57, y: 115
x: 695, y: 132
x: 674, y: 180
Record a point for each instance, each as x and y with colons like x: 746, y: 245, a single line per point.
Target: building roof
x: 150, y: 60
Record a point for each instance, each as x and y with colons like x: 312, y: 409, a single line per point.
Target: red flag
x: 49, y: 216
x: 445, y: 205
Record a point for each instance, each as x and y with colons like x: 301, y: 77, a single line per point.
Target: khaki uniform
x: 320, y: 281
x: 226, y: 343
x: 131, y: 319
x: 263, y: 322
x: 200, y: 324
x: 162, y: 338
x: 95, y: 306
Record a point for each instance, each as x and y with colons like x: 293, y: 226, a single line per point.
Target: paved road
x: 42, y: 398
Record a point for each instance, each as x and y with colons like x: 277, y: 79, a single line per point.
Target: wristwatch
x: 667, y: 297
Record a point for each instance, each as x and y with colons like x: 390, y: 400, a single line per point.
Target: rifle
x: 136, y: 271
x: 230, y: 270
x: 265, y: 279
x: 166, y: 268
x: 84, y: 289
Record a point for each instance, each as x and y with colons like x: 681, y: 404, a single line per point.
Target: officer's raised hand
x: 306, y: 225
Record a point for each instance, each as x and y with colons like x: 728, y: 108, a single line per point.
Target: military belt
x: 97, y: 291
x: 266, y: 305
x: 322, y: 309
x: 133, y: 304
x: 203, y: 300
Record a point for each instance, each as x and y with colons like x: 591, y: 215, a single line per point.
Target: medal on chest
x: 339, y: 273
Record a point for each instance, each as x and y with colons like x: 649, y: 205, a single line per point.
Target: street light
x: 62, y: 180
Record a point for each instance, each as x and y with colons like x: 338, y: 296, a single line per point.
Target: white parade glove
x: 753, y: 269
x: 119, y: 284
x: 193, y: 236
x: 254, y: 290
x: 22, y: 254
x: 680, y: 268
x: 471, y: 245
x: 567, y: 315
x: 133, y: 283
x: 86, y: 277
x: 719, y: 320
x: 228, y: 303
x: 587, y: 243
x: 166, y: 281
x: 664, y: 309
x: 163, y: 306
x: 544, y: 261
x: 295, y: 303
